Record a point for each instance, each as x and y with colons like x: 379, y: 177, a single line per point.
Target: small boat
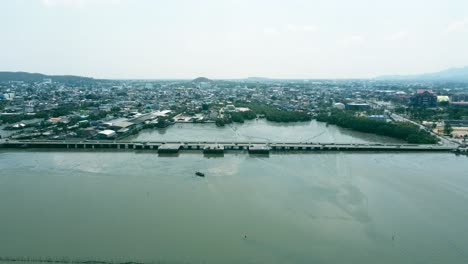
x: 200, y: 174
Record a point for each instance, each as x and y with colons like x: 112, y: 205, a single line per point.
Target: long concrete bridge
x: 223, y: 146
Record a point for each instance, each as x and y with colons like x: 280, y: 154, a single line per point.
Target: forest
x: 400, y: 130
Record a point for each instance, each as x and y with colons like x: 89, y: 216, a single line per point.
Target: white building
x: 340, y: 106
x: 107, y: 134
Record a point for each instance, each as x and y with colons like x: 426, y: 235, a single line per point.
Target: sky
x: 158, y: 39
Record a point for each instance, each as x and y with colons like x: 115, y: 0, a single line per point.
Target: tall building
x: 424, y: 98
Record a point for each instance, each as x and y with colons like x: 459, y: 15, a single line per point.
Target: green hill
x: 38, y: 77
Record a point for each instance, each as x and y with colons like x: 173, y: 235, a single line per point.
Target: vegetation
x: 37, y: 77
x: 272, y: 113
x: 457, y: 113
x: 223, y: 121
x: 448, y: 129
x: 239, y: 117
x: 3, y: 103
x: 97, y: 115
x: 201, y: 79
x: 10, y: 119
x: 424, y: 114
x: 401, y: 130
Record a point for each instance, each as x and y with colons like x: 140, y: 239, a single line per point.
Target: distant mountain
x: 453, y: 74
x: 38, y: 77
x: 201, y: 80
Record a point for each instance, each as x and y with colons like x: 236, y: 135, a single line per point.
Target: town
x: 69, y: 107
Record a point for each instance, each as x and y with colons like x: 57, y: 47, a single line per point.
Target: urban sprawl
x: 84, y: 108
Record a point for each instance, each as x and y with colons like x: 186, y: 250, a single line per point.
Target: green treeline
x: 401, y: 130
x: 223, y: 121
x: 239, y: 117
x: 272, y: 113
x: 10, y: 119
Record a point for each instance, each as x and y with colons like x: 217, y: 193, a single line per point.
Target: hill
x: 38, y: 77
x: 453, y: 74
x: 201, y: 80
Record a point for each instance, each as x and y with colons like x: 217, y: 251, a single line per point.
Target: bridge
x: 220, y: 147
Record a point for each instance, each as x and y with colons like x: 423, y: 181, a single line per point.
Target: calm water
x: 259, y: 130
x: 309, y: 208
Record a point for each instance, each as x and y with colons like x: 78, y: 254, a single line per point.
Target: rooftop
x: 420, y: 91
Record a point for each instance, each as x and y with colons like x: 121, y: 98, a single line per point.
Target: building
x: 400, y: 94
x: 29, y: 107
x: 9, y: 96
x: 459, y: 105
x: 340, y: 106
x: 358, y: 106
x: 423, y: 98
x: 459, y: 98
x: 443, y: 99
x: 230, y: 108
x: 382, y: 118
x: 107, y: 134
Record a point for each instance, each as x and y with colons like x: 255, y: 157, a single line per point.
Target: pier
x: 222, y: 147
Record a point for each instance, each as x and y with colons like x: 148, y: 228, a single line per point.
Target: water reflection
x: 260, y: 130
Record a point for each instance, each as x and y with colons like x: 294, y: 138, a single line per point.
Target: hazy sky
x: 233, y: 39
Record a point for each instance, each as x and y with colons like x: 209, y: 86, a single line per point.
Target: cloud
x: 397, y: 36
x: 458, y: 26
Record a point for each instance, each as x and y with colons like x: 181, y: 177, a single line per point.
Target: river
x: 319, y: 207
x: 293, y: 208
